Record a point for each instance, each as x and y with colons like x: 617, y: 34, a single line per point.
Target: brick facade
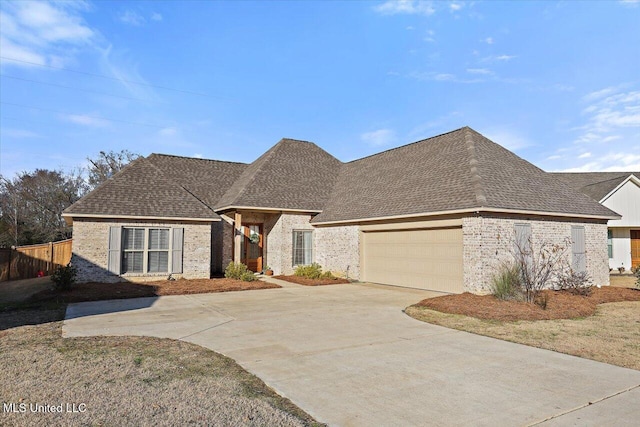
x: 488, y: 242
x: 91, y: 243
x: 337, y: 249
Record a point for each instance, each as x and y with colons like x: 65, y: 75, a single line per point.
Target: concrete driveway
x: 349, y: 356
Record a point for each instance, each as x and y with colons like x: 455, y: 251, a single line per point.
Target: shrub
x: 576, y: 283
x: 636, y: 272
x: 313, y: 271
x: 248, y: 276
x: 239, y: 272
x: 327, y: 275
x: 505, y: 285
x: 64, y: 277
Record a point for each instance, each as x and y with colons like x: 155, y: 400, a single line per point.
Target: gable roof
x: 595, y: 184
x: 292, y: 175
x: 150, y: 188
x: 457, y: 171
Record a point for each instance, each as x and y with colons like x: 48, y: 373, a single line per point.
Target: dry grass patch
x: 312, y: 282
x: 128, y: 380
x: 101, y: 291
x: 611, y: 335
x: 623, y: 280
x: 605, y: 326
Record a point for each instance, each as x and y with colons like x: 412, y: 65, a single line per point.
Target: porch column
x: 237, y: 238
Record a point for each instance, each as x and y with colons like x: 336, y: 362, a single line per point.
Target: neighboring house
x: 437, y: 214
x: 620, y: 192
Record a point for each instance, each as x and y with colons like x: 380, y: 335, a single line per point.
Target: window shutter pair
x: 115, y: 250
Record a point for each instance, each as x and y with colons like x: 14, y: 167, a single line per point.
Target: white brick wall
x: 488, y: 242
x: 337, y: 249
x: 91, y: 243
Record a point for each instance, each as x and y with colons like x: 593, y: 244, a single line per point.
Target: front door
x: 635, y: 248
x: 251, y: 250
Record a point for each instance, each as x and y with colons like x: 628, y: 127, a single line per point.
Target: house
x: 620, y: 192
x: 438, y: 214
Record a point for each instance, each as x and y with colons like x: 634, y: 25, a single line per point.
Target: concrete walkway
x: 349, y: 356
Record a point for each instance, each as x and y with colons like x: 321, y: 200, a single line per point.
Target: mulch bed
x: 560, y: 304
x: 311, y: 282
x: 103, y: 291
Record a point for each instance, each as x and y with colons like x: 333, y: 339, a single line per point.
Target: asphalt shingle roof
x: 457, y: 170
x: 151, y: 187
x: 291, y: 175
x: 595, y: 184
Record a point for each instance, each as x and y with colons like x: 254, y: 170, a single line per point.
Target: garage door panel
x: 425, y: 259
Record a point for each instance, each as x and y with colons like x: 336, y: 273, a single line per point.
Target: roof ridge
x: 407, y: 145
x: 476, y: 179
x: 196, y: 158
x: 172, y: 182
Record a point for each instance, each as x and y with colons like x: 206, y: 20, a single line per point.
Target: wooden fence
x: 24, y: 262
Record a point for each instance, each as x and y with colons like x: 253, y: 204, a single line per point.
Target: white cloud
x: 86, y: 120
x: 584, y: 155
x: 488, y: 40
x: 131, y: 17
x: 198, y: 155
x: 156, y: 17
x: 455, y: 6
x: 554, y: 157
x: 612, y: 162
x: 598, y: 94
x: 41, y: 31
x: 508, y: 138
x: 405, y: 7
x: 484, y: 71
x: 630, y: 3
x: 18, y: 133
x: 498, y: 58
x: 379, y: 137
x: 169, y: 131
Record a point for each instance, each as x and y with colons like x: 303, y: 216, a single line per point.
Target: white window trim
x: 610, y: 243
x: 145, y: 252
x: 293, y: 247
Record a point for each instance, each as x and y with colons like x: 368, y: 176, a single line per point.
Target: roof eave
x: 69, y: 216
x: 471, y: 210
x: 631, y: 178
x: 264, y: 209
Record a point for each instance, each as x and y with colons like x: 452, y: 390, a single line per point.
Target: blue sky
x: 556, y: 82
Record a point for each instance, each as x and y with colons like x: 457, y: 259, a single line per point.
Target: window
x: 158, y: 257
x: 578, y: 251
x: 133, y: 250
x: 302, y: 248
x: 522, y: 245
x: 145, y: 250
x: 610, y: 243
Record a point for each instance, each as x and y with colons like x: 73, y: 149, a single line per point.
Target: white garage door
x: 425, y: 259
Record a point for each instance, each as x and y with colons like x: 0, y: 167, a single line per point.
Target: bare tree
x: 31, y: 205
x: 106, y: 164
x: 542, y: 267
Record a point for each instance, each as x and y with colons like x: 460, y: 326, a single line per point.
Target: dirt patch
x: 559, y: 305
x: 129, y: 380
x: 102, y: 291
x: 312, y: 282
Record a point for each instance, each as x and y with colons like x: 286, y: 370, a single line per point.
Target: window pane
x: 133, y: 238
x: 302, y: 248
x: 158, y: 238
x: 132, y: 262
x: 610, y: 242
x: 158, y: 262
